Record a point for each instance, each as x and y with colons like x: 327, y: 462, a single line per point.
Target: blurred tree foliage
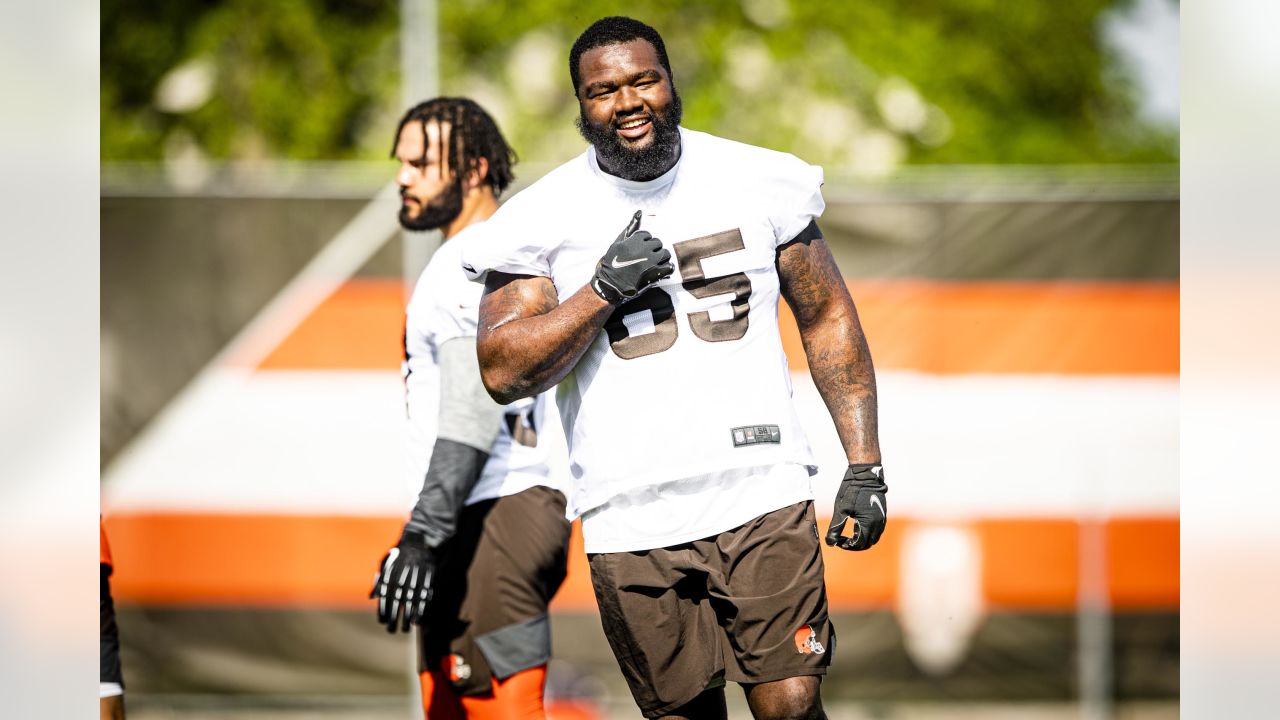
x: 301, y: 79
x: 858, y: 85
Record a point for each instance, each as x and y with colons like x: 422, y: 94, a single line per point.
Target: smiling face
x: 629, y: 110
x: 430, y: 194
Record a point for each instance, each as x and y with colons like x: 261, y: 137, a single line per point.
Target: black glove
x: 632, y: 263
x: 861, y: 496
x: 403, y: 582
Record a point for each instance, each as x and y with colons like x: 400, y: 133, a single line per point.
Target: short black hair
x: 473, y: 135
x: 612, y: 31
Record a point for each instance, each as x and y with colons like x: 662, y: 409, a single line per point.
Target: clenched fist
x: 861, y: 497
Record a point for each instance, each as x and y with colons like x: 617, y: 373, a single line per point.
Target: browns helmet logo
x: 456, y: 668
x: 807, y: 641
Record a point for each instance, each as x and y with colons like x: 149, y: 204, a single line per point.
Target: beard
x: 639, y: 164
x: 436, y: 213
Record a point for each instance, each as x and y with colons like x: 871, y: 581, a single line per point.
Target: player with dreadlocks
x: 473, y: 140
x: 484, y: 548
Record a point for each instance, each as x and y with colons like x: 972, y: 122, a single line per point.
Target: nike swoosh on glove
x: 632, y: 263
x: 862, y: 497
x: 403, y: 583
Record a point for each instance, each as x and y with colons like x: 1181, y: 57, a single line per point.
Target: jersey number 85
x: 689, y: 255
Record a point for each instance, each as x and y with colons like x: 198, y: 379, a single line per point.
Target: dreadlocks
x: 472, y: 135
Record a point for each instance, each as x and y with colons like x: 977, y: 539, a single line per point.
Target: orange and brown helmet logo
x: 456, y: 668
x: 807, y: 641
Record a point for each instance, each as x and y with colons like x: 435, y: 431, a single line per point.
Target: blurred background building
x: 1002, y: 188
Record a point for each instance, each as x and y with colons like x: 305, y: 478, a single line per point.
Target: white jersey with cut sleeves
x: 444, y: 307
x: 685, y: 379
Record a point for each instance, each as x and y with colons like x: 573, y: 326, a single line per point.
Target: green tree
x: 301, y: 79
x: 862, y: 85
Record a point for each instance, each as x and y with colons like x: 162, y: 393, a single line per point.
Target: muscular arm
x: 527, y: 341
x: 839, y: 359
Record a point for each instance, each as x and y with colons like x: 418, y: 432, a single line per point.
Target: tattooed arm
x: 839, y: 360
x: 527, y: 342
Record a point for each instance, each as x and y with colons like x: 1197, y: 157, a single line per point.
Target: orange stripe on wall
x: 359, y: 327
x: 936, y: 327
x: 255, y: 560
x: 1013, y: 327
x: 1031, y: 564
x: 1143, y: 560
x: 329, y: 561
x: 575, y: 592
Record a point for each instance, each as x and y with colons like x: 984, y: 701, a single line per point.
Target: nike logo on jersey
x: 875, y: 500
x: 617, y: 264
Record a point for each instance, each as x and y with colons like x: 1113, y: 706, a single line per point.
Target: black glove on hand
x: 403, y: 584
x: 861, y: 496
x: 632, y: 263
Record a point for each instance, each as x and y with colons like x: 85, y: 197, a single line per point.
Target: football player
x: 643, y: 277
x: 484, y: 548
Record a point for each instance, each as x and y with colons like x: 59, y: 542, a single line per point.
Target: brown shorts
x: 488, y: 617
x: 747, y: 605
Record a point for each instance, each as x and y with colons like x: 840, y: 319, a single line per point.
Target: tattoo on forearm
x: 836, y: 348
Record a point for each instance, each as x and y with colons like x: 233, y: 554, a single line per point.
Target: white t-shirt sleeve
x: 453, y: 316
x: 444, y: 305
x: 794, y: 193
x: 510, y: 245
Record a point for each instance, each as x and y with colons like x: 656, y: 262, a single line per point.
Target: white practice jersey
x: 445, y: 306
x: 688, y: 383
